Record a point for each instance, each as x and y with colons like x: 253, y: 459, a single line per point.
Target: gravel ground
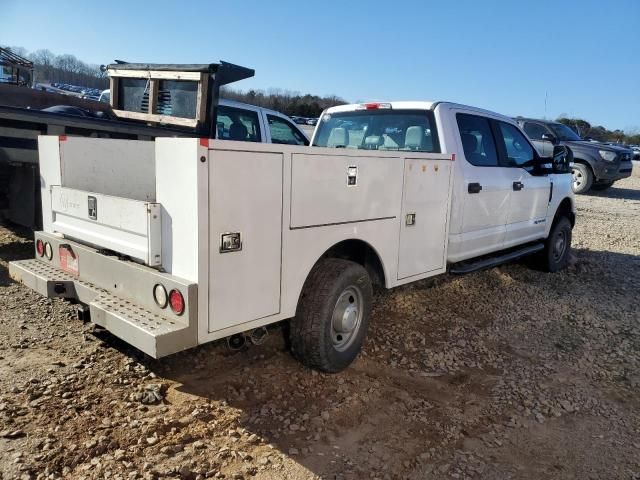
x: 508, y: 373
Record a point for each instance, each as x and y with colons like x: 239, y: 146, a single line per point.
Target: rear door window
x: 477, y: 140
x: 238, y: 124
x: 285, y: 132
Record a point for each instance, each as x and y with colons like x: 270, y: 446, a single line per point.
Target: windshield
x: 379, y: 130
x: 564, y: 133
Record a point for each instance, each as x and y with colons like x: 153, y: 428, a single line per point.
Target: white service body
x: 163, y: 208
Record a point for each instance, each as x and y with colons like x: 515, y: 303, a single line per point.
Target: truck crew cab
x: 178, y: 242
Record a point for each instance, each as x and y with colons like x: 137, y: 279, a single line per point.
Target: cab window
x: 477, y: 140
x: 518, y: 150
x: 238, y: 124
x: 284, y: 132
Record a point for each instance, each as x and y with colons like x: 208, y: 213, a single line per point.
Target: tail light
x: 160, y: 295
x: 176, y: 300
x: 40, y: 247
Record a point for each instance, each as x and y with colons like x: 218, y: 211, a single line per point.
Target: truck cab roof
x: 415, y: 105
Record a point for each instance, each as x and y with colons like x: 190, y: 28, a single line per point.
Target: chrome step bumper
x: 149, y: 332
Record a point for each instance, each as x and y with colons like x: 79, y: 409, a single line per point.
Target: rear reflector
x: 176, y: 300
x: 40, y: 248
x: 160, y: 295
x: 48, y: 251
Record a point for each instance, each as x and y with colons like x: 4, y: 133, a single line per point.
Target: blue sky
x: 501, y: 55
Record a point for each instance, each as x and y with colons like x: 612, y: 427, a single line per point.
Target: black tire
x: 582, y: 178
x: 601, y: 186
x: 333, y: 285
x: 557, y: 249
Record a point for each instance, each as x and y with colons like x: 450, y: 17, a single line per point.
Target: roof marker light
x: 374, y: 106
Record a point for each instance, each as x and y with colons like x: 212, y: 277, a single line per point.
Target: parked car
x: 636, y: 151
x: 249, y: 123
x: 596, y: 165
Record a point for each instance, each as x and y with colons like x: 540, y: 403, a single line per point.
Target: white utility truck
x: 182, y: 241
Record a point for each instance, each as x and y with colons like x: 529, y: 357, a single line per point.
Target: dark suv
x: 595, y: 165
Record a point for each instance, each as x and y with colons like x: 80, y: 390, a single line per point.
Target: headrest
x: 469, y: 142
x: 338, y: 137
x: 373, y: 141
x: 413, y: 138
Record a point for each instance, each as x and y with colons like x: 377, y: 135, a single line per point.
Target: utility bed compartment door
x: 425, y: 212
x: 245, y: 198
x: 129, y: 227
x: 321, y: 193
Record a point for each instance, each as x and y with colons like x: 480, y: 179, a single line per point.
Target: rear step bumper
x: 157, y: 333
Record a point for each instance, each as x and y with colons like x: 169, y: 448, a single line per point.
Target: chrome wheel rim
x: 578, y: 178
x: 559, y: 245
x: 346, y: 318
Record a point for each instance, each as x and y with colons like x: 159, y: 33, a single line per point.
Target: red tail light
x: 40, y: 248
x: 176, y: 300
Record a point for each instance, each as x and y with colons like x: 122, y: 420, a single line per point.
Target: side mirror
x: 549, y: 138
x: 561, y: 160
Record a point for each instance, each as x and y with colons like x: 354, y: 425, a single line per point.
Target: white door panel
x: 485, y: 213
x: 245, y: 197
x: 528, y: 207
x: 425, y: 197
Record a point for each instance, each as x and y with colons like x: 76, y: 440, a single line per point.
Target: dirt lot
x: 507, y: 373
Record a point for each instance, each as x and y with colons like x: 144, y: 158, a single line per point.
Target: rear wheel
x: 601, y: 186
x: 557, y: 249
x: 582, y: 178
x: 332, y: 316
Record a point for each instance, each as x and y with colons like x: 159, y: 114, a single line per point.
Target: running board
x: 494, y: 261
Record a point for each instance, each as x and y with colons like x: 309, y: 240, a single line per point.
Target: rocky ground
x: 508, y: 374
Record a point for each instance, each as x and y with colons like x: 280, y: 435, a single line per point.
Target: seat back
x: 338, y: 137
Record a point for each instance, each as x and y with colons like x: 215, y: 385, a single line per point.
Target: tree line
x: 289, y: 103
x: 65, y: 68
x: 600, y: 133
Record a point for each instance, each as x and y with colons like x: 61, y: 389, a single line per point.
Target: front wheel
x: 557, y: 249
x: 332, y: 316
x: 582, y: 178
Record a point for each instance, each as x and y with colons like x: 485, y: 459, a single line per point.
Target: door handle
x: 517, y: 186
x: 474, y: 188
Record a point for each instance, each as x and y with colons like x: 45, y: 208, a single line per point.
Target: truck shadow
x: 617, y: 192
x: 384, y: 413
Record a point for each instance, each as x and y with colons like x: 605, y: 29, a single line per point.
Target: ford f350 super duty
x: 182, y: 241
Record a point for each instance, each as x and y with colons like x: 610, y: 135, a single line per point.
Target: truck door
x: 530, y: 193
x: 485, y: 193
